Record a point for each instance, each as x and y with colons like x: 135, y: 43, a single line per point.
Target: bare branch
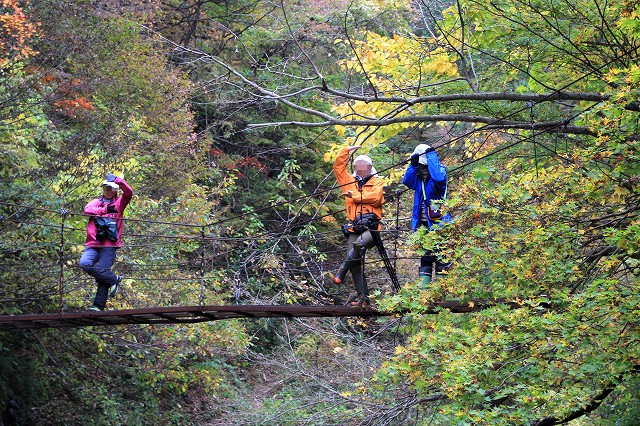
x: 491, y: 123
x: 596, y: 401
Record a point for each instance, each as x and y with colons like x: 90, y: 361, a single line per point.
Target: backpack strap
x: 424, y: 205
x: 427, y: 206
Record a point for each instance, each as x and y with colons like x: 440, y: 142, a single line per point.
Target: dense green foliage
x: 225, y: 116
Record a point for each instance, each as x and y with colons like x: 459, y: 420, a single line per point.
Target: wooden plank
x: 196, y: 314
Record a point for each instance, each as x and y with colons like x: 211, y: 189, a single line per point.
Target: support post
x: 64, y: 213
x: 202, y: 254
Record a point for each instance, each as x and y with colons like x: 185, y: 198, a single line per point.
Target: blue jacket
x: 434, y: 188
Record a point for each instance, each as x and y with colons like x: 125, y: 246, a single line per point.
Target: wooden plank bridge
x: 197, y: 314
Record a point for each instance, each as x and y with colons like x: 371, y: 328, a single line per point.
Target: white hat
x: 421, y: 149
x: 111, y: 184
x: 367, y: 160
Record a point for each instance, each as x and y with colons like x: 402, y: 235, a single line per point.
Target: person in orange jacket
x: 104, y: 237
x: 363, y: 195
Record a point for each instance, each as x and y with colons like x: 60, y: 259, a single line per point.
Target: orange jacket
x: 367, y: 200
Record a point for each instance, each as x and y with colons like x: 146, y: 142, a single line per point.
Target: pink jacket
x: 99, y: 208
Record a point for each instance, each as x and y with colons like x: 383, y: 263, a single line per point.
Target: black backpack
x: 107, y: 229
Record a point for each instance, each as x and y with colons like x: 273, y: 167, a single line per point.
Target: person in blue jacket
x: 427, y: 177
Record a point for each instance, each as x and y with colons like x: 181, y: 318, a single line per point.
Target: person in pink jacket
x: 104, y: 237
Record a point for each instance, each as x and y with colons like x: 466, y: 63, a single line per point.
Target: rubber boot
x: 442, y: 268
x: 360, y: 282
x: 427, y: 265
x: 425, y: 276
x: 346, y: 265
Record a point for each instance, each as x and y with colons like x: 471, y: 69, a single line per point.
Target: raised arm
x: 127, y: 194
x: 437, y: 170
x: 340, y: 166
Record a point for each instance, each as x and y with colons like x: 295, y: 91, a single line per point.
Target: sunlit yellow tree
x: 540, y: 100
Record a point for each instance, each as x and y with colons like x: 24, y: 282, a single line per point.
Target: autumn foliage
x: 16, y: 32
x: 225, y: 117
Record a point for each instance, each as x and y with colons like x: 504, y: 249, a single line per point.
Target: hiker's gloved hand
x: 110, y: 177
x: 111, y: 209
x: 422, y: 149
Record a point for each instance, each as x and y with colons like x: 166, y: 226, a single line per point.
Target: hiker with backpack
x: 104, y: 237
x: 363, y: 195
x: 427, y: 177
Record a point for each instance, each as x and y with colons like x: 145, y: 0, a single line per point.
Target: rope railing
x: 203, y: 255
